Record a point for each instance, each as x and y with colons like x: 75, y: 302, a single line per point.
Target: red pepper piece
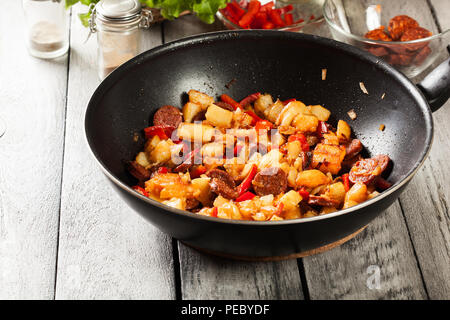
x: 162, y: 131
x: 382, y: 184
x: 302, y: 139
x: 246, y: 184
x: 237, y: 9
x: 250, y: 99
x: 286, y: 9
x: 226, y: 98
x: 289, y: 19
x: 346, y: 181
x: 268, y: 25
x: 263, y: 125
x: 312, y: 17
x: 230, y: 15
x: 289, y: 100
x: 141, y: 190
x: 299, y: 21
x: 253, y: 8
x: 245, y: 196
x: 258, y: 22
x: 214, y: 212
x: 275, y: 17
x: 304, y: 194
x: 280, y: 208
x: 268, y: 6
x: 163, y: 170
x: 197, y: 172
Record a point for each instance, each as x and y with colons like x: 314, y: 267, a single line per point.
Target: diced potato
x: 161, y: 153
x: 306, y: 123
x: 311, y: 178
x: 204, y: 196
x: 289, y: 112
x: 290, y: 200
x: 270, y: 159
x: 178, y: 190
x: 357, y: 193
x: 344, y: 131
x: 330, y: 138
x: 298, y: 164
x: 151, y: 144
x: 276, y: 218
x: 328, y: 158
x: 326, y: 210
x: 293, y: 213
x: 274, y: 111
x: 141, y: 159
x: 262, y: 103
x: 293, y: 150
x: 229, y: 211
x: 276, y: 139
x: 373, y: 195
x: 178, y: 203
x: 195, y: 132
x: 320, y: 112
x: 213, y: 149
x: 220, y: 201
x: 348, y: 204
x: 190, y: 110
x: 200, y: 98
x: 292, y: 177
x: 219, y: 117
x: 266, y: 200
x: 336, y: 192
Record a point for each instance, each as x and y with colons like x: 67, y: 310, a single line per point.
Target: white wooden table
x: 64, y: 234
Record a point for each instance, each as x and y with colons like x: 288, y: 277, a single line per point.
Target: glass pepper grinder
x: 47, y: 28
x: 118, y: 24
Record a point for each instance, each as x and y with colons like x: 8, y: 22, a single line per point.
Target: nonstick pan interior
x: 286, y: 65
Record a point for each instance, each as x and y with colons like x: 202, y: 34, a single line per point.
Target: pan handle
x: 436, y: 85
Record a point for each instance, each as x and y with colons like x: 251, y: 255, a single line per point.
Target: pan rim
x: 227, y: 35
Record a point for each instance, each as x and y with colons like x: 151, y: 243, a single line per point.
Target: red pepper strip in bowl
x: 268, y: 25
x: 304, y: 194
x: 259, y: 21
x: 246, y: 184
x: 275, y: 17
x: 268, y: 6
x: 289, y: 19
x: 237, y: 10
x: 286, y: 9
x: 162, y: 131
x: 226, y: 98
x: 141, y: 190
x: 245, y: 196
x: 253, y: 8
x: 250, y: 99
x: 302, y: 139
x: 346, y: 182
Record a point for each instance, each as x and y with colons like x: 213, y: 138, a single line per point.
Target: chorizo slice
x: 192, y: 203
x: 221, y: 175
x: 138, y: 171
x: 378, y: 34
x: 220, y: 187
x: 322, y: 201
x: 270, y: 181
x: 224, y: 105
x: 399, y: 24
x: 352, y: 149
x: 383, y: 161
x: 167, y: 115
x: 363, y: 171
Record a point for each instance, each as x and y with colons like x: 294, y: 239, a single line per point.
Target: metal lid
x: 118, y: 9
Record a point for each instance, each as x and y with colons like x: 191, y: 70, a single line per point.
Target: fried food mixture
x: 258, y: 159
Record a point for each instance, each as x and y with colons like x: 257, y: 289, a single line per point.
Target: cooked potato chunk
x: 336, y: 191
x: 274, y: 110
x: 190, y: 110
x: 289, y: 112
x: 290, y: 199
x: 200, y: 98
x: 311, y: 178
x: 204, y: 196
x: 161, y: 153
x: 213, y: 150
x: 262, y: 103
x: 270, y: 159
x: 357, y: 193
x: 328, y: 158
x: 141, y: 158
x: 344, y: 131
x: 320, y: 112
x: 219, y: 117
x: 306, y: 123
x: 195, y: 132
x: 178, y: 203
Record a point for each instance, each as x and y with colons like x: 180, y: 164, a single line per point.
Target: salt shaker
x: 118, y: 24
x: 47, y: 28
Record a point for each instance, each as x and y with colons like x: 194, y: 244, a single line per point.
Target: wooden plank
x: 207, y: 277
x: 344, y: 272
x: 32, y: 100
x: 106, y: 251
x: 426, y: 201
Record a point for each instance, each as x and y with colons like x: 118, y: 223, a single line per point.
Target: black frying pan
x: 286, y: 65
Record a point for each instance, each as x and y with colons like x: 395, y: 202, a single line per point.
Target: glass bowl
x: 349, y: 21
x: 308, y: 10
